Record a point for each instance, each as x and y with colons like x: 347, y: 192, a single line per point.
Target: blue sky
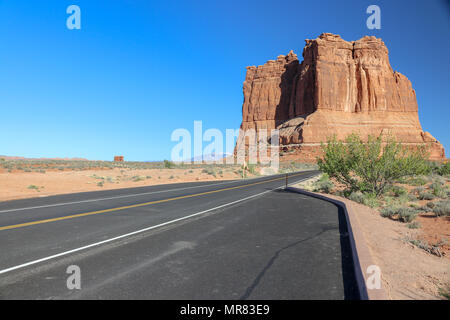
x: 137, y: 70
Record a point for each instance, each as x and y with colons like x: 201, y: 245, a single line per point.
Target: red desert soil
x: 435, y: 230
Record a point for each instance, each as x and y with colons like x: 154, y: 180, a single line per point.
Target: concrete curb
x: 362, y: 257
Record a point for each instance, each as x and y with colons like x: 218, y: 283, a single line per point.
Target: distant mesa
x: 339, y: 88
x: 118, y: 158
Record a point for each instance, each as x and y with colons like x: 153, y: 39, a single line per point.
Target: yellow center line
x: 26, y: 224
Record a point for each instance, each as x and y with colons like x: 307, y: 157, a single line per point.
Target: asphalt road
x: 246, y: 239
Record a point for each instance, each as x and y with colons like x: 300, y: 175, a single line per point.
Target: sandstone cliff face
x: 339, y: 88
x: 267, y: 91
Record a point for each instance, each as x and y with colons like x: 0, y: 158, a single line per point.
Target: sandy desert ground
x: 19, y: 185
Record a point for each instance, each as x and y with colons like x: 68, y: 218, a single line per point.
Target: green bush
x: 431, y: 205
x: 370, y: 166
x: 416, y: 181
x: 418, y: 190
x: 323, y: 184
x: 370, y: 200
x: 442, y: 208
x: 252, y: 168
x: 403, y: 214
x: 407, y: 214
x: 444, y: 169
x: 168, y: 164
x: 425, y: 195
x: 357, y: 196
x: 398, y: 191
x: 388, y: 212
x: 414, y: 225
x: 438, y: 189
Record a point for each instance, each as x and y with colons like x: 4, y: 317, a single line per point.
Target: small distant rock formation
x: 339, y: 88
x: 118, y: 158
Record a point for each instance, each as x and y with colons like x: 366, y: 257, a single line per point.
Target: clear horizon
x: 135, y: 72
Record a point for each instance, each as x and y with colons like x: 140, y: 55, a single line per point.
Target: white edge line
x: 136, y: 232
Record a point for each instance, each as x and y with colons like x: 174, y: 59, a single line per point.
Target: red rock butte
x: 339, y: 88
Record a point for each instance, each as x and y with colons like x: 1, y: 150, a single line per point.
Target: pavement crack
x: 269, y: 264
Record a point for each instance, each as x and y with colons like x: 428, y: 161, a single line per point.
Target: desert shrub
x: 33, y: 187
x: 168, y: 164
x: 340, y: 193
x: 406, y: 214
x: 430, y: 248
x: 370, y: 166
x: 425, y: 195
x: 441, y: 194
x: 402, y: 180
x: 438, y: 179
x: 370, y: 200
x: 388, y: 212
x: 413, y: 225
x: 442, y: 208
x: 443, y: 169
x: 403, y: 214
x: 430, y: 205
x: 411, y: 197
x: 438, y: 189
x: 418, y: 190
x: 323, y: 184
x: 357, y: 196
x: 398, y: 191
x: 252, y: 168
x: 416, y: 181
x: 445, y: 292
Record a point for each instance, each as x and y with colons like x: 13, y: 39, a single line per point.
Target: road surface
x: 243, y: 239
